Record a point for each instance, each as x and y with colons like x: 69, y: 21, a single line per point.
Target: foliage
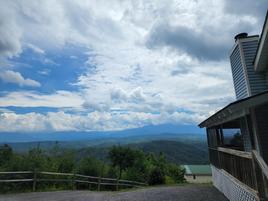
x: 6, y: 154
x: 90, y: 166
x: 176, y: 173
x: 237, y: 140
x: 125, y: 163
x: 156, y: 176
x: 122, y: 157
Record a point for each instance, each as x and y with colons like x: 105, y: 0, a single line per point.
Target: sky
x: 99, y: 65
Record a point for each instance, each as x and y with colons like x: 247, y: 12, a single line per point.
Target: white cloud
x: 59, y: 99
x: 10, y: 30
x: 140, y: 63
x: 94, y: 121
x: 136, y: 95
x: 16, y: 78
x: 44, y: 72
x: 35, y: 49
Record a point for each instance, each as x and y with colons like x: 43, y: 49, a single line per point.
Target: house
x: 237, y: 135
x: 197, y: 173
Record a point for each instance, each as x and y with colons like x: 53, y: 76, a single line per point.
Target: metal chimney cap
x: 241, y: 35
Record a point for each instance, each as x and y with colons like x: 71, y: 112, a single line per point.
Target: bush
x: 156, y: 176
x: 175, y: 172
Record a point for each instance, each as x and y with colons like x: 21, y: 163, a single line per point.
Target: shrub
x: 156, y: 176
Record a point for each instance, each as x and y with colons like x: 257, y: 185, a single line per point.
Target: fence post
x: 34, y: 180
x: 73, y: 182
x: 99, y: 183
x: 89, y: 184
x: 117, y: 184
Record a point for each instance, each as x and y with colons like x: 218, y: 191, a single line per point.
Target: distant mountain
x: 108, y: 141
x: 6, y: 137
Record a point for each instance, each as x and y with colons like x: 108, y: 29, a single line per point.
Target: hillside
x: 175, y: 151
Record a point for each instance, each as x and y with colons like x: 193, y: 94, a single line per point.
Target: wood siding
x: 238, y: 74
x: 257, y: 81
x: 261, y: 114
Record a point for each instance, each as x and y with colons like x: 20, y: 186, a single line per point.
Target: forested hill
x: 178, y: 151
x: 175, y: 151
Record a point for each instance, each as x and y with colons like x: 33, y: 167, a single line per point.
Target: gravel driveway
x: 178, y: 193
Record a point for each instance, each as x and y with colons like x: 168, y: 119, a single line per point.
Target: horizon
x: 153, y: 132
x: 98, y: 66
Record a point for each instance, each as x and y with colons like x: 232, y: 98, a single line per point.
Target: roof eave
x: 261, y: 59
x: 235, y: 110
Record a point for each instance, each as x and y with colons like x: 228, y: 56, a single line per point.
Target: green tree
x: 139, y: 170
x: 36, y: 159
x: 237, y: 140
x: 6, y: 154
x: 156, y: 176
x: 122, y: 158
x: 175, y: 172
x: 90, y: 166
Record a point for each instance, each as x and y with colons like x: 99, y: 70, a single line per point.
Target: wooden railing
x: 261, y: 170
x: 238, y: 164
x: 214, y: 157
x: 247, y: 167
x: 36, y: 177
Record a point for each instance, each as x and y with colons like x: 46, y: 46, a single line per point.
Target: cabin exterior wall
x: 261, y: 123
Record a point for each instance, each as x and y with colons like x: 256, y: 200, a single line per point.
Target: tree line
x: 123, y: 163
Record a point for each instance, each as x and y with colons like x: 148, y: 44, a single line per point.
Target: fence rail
x: 239, y: 164
x: 72, y: 178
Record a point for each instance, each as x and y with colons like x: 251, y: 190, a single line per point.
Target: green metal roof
x: 198, y: 169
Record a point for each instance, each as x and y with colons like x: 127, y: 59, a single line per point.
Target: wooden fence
x: 74, y: 179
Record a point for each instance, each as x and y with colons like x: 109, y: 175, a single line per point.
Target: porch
x: 238, y: 144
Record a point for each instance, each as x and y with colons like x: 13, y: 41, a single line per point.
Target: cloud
x: 44, y: 72
x: 94, y: 121
x: 35, y: 49
x: 16, y: 78
x: 188, y: 40
x: 136, y: 95
x: 149, y: 62
x: 59, y: 99
x: 10, y: 31
x: 257, y: 9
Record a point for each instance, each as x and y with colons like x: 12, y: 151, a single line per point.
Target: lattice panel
x: 233, y: 190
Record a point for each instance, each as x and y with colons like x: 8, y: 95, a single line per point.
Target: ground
x: 175, y: 193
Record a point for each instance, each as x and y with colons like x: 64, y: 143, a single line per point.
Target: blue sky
x: 113, y: 65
